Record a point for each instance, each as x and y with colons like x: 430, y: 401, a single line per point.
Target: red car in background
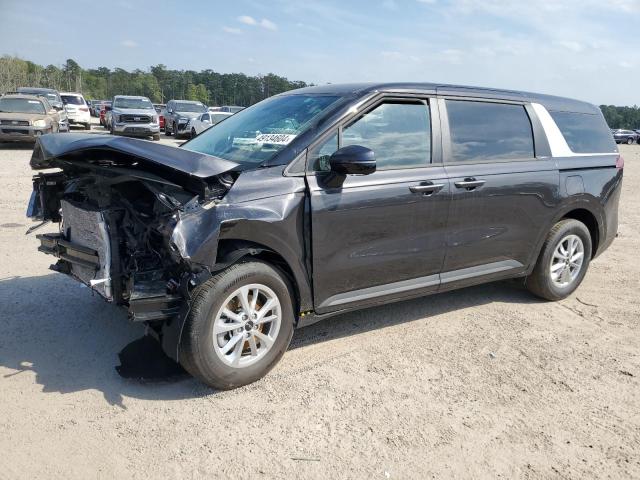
x: 103, y: 110
x: 160, y: 108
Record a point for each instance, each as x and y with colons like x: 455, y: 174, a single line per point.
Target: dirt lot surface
x: 485, y: 382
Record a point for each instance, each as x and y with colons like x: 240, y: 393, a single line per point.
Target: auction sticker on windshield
x: 275, y: 138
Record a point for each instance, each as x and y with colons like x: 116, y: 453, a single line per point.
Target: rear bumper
x: 75, y: 118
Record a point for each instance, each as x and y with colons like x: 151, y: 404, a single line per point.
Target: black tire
x: 629, y: 141
x: 197, y: 353
x: 156, y: 137
x: 87, y: 126
x: 539, y: 282
x: 167, y: 132
x: 174, y: 129
x: 193, y: 132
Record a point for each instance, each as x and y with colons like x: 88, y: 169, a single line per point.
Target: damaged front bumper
x: 118, y: 217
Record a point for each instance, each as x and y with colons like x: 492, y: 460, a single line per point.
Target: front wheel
x: 193, y: 132
x: 87, y: 126
x: 156, y: 137
x: 239, y: 325
x: 563, y: 261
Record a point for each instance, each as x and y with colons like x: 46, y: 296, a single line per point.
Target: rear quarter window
x: 585, y: 132
x: 486, y: 131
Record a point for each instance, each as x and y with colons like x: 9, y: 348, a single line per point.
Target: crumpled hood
x: 50, y: 147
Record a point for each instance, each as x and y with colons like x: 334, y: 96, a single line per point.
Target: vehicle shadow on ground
x: 70, y: 339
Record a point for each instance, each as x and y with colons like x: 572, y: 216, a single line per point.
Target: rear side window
x: 585, y: 132
x: 483, y: 131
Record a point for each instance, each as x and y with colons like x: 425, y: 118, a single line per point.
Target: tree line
x: 622, y: 117
x: 159, y: 83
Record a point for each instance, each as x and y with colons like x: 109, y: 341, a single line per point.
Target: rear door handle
x: 426, y: 188
x: 469, y: 183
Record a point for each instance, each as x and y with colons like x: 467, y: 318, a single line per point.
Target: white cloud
x: 268, y: 24
x: 264, y: 23
x: 247, y: 20
x: 570, y: 45
x: 128, y: 43
x: 234, y: 31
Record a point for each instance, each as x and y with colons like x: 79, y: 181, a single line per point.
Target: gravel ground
x: 484, y: 382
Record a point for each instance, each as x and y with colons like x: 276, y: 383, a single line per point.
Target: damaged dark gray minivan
x: 324, y: 200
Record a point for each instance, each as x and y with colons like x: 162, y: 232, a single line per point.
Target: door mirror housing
x: 353, y: 160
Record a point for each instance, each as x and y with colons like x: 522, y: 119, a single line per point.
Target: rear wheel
x: 239, y: 326
x: 156, y: 137
x: 629, y: 141
x: 87, y: 126
x: 563, y: 261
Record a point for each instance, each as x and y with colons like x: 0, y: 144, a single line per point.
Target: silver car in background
x: 207, y: 120
x: 133, y: 116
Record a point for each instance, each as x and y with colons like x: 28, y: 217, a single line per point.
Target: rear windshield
x: 72, y: 100
x: 21, y: 105
x: 585, y: 132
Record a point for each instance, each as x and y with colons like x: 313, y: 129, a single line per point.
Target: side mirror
x: 353, y: 160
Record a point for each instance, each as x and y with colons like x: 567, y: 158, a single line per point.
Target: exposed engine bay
x: 117, y: 213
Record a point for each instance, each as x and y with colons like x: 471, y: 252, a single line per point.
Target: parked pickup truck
x: 324, y: 200
x: 134, y: 117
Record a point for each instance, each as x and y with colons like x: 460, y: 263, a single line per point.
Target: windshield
x: 258, y: 133
x: 137, y: 103
x: 21, y: 105
x: 72, y: 100
x: 190, y: 107
x: 51, y: 96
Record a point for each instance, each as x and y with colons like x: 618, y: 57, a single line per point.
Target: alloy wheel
x: 567, y: 260
x: 247, y: 325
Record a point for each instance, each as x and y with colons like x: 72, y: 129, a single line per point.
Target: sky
x: 585, y: 49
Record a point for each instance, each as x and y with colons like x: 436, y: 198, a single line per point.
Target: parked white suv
x: 77, y: 109
x: 207, y: 120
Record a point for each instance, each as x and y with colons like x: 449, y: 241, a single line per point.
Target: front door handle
x: 469, y: 183
x: 426, y: 188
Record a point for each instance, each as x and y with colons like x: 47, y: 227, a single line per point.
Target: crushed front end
x: 117, y: 213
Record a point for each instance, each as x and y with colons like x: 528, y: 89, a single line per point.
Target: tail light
x: 620, y: 162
